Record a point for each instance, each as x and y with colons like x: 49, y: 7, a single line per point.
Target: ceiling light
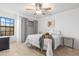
x: 38, y: 12
x: 40, y: 8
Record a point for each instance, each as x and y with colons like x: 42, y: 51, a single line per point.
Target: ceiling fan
x: 40, y: 8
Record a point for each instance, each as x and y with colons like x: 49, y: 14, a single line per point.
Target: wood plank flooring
x: 19, y: 49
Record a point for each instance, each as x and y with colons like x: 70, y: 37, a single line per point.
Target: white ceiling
x: 19, y: 7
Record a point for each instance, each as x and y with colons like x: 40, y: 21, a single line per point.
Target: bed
x: 34, y: 40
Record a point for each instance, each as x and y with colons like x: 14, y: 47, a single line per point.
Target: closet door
x: 35, y: 27
x: 30, y: 27
x: 27, y: 28
x: 24, y: 26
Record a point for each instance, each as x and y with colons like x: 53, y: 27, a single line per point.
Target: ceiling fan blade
x: 29, y: 9
x: 46, y: 8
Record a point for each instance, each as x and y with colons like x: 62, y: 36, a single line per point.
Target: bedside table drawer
x: 68, y: 41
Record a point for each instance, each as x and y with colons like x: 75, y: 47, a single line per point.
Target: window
x: 6, y: 26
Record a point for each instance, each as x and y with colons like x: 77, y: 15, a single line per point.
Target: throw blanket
x: 41, y: 41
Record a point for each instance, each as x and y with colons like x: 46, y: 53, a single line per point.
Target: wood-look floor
x: 19, y: 49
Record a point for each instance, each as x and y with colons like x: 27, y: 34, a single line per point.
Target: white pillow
x: 55, y: 32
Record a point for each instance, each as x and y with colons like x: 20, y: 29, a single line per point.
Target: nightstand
x: 66, y: 40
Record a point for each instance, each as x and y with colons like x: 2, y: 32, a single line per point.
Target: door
x: 24, y: 25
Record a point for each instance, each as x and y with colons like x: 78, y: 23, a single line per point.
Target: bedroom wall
x: 67, y: 22
x: 43, y: 24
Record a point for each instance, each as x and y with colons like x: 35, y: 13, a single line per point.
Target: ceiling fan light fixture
x: 40, y: 8
x: 38, y: 12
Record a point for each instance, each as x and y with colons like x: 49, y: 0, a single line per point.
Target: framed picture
x: 51, y: 23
